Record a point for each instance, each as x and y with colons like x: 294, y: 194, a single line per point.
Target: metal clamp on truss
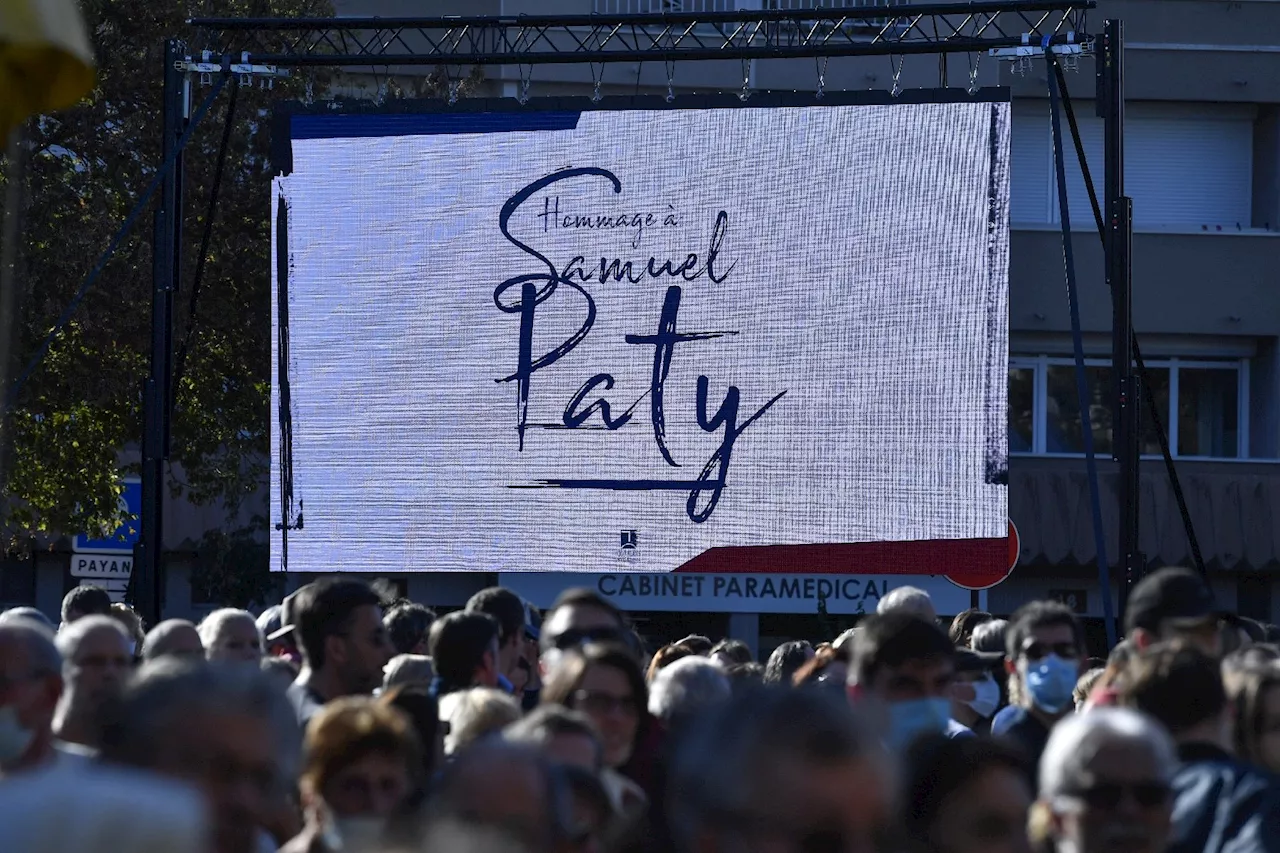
x: 1023, y: 55
x: 206, y: 67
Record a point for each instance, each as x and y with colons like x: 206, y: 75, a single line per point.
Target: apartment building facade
x: 1203, y: 169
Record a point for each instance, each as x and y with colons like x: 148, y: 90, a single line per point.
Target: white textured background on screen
x: 859, y: 254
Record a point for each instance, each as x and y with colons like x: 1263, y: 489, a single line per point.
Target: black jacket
x: 1222, y: 805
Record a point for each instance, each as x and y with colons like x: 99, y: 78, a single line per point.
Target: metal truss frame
x: 267, y: 47
x: 539, y: 40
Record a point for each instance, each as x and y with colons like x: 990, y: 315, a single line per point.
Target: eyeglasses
x: 575, y: 637
x: 1039, y: 651
x: 1106, y: 796
x: 595, y: 702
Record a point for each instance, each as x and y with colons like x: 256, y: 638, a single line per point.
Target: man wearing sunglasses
x: 579, y: 616
x: 1045, y: 652
x: 1219, y: 802
x: 1105, y: 781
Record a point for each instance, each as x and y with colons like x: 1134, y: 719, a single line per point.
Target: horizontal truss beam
x: 597, y: 39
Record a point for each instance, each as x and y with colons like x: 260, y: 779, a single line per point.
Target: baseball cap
x: 967, y: 660
x: 1173, y: 595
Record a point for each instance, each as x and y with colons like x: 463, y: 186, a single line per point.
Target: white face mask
x: 986, y: 697
x: 15, y: 740
x: 361, y: 834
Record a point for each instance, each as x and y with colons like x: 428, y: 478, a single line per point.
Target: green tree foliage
x: 78, y: 419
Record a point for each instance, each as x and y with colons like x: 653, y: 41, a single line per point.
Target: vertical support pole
x: 157, y: 396
x: 1119, y: 271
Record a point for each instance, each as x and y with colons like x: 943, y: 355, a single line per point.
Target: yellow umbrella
x: 46, y: 62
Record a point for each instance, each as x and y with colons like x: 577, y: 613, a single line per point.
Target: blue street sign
x: 126, y: 536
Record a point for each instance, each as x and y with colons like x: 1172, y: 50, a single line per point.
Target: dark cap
x: 967, y: 660
x: 288, y: 615
x: 269, y: 620
x: 1173, y: 595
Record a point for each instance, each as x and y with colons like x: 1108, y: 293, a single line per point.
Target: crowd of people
x: 344, y: 720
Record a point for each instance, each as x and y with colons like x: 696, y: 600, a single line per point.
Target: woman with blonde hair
x: 230, y: 635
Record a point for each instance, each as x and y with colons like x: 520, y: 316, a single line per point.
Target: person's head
x: 362, y: 762
x: 96, y: 659
x: 408, y: 625
x: 989, y: 636
x: 173, y: 638
x: 476, y: 714
x: 1258, y: 655
x: 224, y: 729
x: 508, y: 786
x: 408, y: 669
x: 1085, y: 686
x: 687, y: 688
x: 728, y: 652
x: 744, y: 676
x: 966, y: 795
x: 30, y: 614
x: 281, y: 633
x: 339, y: 627
x: 962, y: 626
x: 30, y: 686
x: 1044, y: 650
x: 1173, y: 604
x: 423, y: 712
x: 666, y: 656
x: 1255, y: 697
x: 701, y: 645
x: 579, y: 616
x: 910, y: 600
x: 975, y: 695
x: 564, y: 735
x: 132, y: 624
x: 785, y: 660
x: 85, y: 600
x: 507, y: 609
x: 779, y: 769
x: 905, y: 666
x: 1105, y: 780
x: 101, y: 810
x: 604, y: 682
x: 464, y: 649
x: 827, y: 666
x: 231, y: 636
x: 1179, y: 686
x: 270, y: 620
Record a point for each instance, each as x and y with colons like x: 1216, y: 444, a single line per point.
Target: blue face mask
x: 1050, y: 682
x: 916, y: 718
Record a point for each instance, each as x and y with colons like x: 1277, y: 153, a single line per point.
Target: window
x: 1202, y: 404
x: 1186, y: 165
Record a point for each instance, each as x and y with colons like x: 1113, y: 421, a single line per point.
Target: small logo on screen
x: 630, y: 541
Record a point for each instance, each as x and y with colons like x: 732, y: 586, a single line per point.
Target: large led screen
x: 626, y: 339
